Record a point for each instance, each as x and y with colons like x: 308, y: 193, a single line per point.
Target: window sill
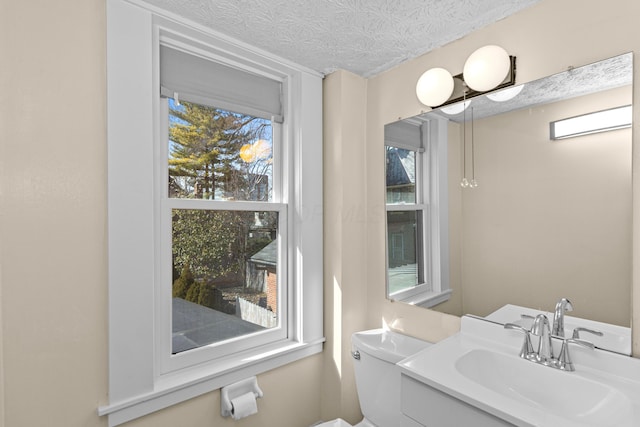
x: 179, y: 386
x: 428, y: 299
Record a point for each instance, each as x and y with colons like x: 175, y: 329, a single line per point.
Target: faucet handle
x: 527, y: 347
x: 527, y: 320
x: 576, y: 332
x: 564, y: 361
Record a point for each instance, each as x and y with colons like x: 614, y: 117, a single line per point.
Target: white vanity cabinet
x: 432, y: 408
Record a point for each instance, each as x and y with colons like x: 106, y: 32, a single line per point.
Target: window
x: 215, y: 212
x: 221, y: 207
x: 223, y: 228
x: 416, y: 198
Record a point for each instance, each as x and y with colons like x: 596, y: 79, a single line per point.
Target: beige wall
x: 547, y: 38
x: 53, y: 212
x: 53, y: 259
x: 344, y: 251
x: 53, y: 209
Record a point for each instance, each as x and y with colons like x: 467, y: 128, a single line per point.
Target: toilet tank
x: 376, y: 353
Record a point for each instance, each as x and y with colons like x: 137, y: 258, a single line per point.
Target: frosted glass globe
x: 457, y: 108
x: 505, y: 94
x: 434, y: 87
x: 486, y: 68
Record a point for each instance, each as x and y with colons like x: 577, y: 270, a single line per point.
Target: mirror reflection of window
x: 405, y: 270
x: 416, y: 236
x: 401, y: 175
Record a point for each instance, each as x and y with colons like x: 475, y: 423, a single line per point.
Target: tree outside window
x: 222, y: 258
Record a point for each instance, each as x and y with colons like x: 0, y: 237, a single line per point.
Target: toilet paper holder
x: 234, y: 390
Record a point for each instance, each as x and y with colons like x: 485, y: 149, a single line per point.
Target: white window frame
x: 141, y: 380
x: 168, y: 362
x: 431, y: 209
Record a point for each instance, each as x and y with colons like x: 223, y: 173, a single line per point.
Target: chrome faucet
x: 562, y: 306
x: 540, y: 329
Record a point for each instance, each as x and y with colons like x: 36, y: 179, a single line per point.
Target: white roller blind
x: 405, y: 135
x: 207, y: 82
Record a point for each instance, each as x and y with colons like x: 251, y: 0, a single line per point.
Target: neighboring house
x: 401, y: 177
x: 262, y: 274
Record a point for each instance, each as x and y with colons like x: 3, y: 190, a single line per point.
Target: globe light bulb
x: 434, y: 87
x: 486, y: 68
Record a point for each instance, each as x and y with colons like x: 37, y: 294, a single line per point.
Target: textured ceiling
x: 365, y: 37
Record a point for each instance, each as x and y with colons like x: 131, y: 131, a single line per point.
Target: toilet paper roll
x: 243, y: 406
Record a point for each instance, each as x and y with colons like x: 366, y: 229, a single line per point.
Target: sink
x: 478, y: 372
x: 587, y: 402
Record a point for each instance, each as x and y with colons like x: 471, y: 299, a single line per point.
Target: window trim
x: 432, y: 202
x: 136, y: 386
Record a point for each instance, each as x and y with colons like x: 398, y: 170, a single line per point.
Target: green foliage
x: 194, y: 292
x: 211, y: 242
x: 206, y: 295
x: 183, y: 283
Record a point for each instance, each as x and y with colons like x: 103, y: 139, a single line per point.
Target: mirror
x: 548, y: 218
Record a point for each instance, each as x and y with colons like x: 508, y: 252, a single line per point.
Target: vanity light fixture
x: 599, y: 121
x: 486, y: 69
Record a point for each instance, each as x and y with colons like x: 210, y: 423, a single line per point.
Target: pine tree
x: 205, y: 145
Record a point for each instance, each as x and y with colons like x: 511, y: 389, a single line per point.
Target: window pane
x: 224, y: 275
x: 401, y: 175
x: 405, y: 266
x: 218, y: 155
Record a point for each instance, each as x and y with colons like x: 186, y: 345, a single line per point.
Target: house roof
x: 400, y: 168
x: 195, y: 326
x: 267, y: 255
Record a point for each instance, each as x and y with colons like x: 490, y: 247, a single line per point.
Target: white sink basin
x: 615, y: 338
x: 480, y: 366
x: 584, y: 401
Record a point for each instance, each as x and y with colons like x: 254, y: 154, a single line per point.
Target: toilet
x: 375, y: 354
